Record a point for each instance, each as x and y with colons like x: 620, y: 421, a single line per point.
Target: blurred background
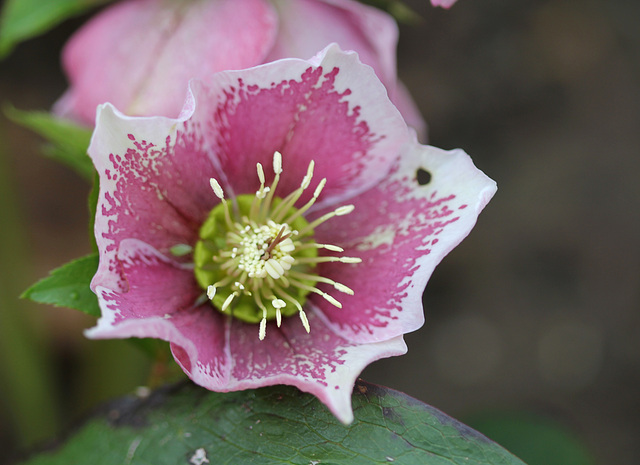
x: 533, y: 322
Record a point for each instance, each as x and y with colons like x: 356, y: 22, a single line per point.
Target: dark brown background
x: 537, y: 309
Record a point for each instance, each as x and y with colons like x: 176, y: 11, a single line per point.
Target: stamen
x: 217, y: 189
x: 227, y: 302
x: 305, y: 321
x: 324, y: 259
x: 292, y: 198
x: 260, y: 174
x: 321, y: 279
x: 343, y: 288
x: 344, y: 210
x: 277, y: 162
x: 267, y: 253
x: 315, y: 290
x: 277, y: 169
x: 307, y: 177
x: 307, y: 245
x: 278, y: 304
x: 340, y: 211
x: 309, y: 204
x: 211, y: 292
x: 263, y: 328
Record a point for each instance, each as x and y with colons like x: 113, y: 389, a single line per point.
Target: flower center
x: 256, y: 258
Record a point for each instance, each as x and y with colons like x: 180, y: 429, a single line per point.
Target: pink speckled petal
x: 331, y: 109
x: 154, y: 185
x: 140, y: 54
x: 401, y: 230
x: 320, y: 362
x: 161, y: 302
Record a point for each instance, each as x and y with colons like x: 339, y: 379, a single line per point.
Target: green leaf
x: 185, y: 424
x: 23, y: 19
x: 68, y: 286
x: 68, y: 142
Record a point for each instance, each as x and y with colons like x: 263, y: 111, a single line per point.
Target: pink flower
x: 140, y: 54
x: 359, y: 232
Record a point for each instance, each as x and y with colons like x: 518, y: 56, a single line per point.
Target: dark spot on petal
x: 423, y: 176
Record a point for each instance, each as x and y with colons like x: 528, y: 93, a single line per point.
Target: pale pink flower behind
x: 140, y: 54
x: 156, y: 191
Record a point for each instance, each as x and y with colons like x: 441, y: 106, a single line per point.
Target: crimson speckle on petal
x: 356, y: 234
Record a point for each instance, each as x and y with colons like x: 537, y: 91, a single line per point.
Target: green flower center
x: 256, y: 258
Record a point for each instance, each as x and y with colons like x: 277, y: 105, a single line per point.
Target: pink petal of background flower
x: 140, y: 54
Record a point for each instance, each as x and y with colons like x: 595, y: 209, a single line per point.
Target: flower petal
x: 154, y: 185
x: 307, y: 26
x: 173, y: 43
x: 318, y: 362
x: 331, y: 109
x: 401, y: 230
x: 161, y: 302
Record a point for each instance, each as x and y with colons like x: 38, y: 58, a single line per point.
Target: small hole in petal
x: 423, y: 176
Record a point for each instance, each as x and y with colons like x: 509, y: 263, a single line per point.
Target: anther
x: 307, y: 177
x: 344, y: 210
x: 263, y: 324
x: 331, y: 300
x: 217, y: 189
x: 319, y: 188
x: 305, y: 321
x: 227, y: 302
x: 260, y: 173
x: 263, y: 328
x: 343, y: 288
x: 277, y: 162
x: 211, y: 292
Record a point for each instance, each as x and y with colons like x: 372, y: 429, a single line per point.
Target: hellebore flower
x: 276, y: 231
x: 141, y: 54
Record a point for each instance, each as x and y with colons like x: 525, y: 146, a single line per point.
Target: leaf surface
x: 68, y: 286
x: 23, y: 19
x: 186, y: 424
x: 67, y: 142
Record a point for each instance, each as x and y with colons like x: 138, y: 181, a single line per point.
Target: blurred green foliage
x: 536, y: 439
